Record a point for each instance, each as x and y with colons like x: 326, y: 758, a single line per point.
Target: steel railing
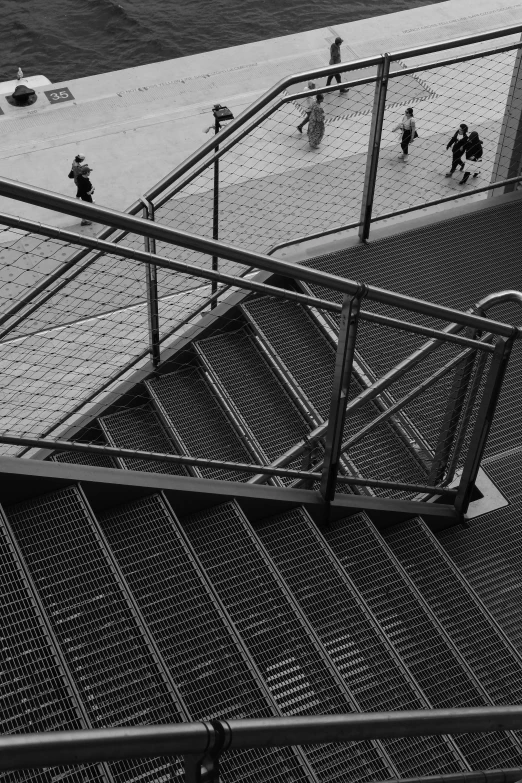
x: 350, y: 312
x: 202, y: 743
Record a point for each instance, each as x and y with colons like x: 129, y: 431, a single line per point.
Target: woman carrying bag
x: 408, y: 132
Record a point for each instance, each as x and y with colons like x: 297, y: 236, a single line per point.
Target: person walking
x: 310, y: 100
x: 408, y: 132
x: 335, y: 58
x: 457, y: 143
x: 85, y: 190
x: 76, y: 167
x: 473, y: 154
x: 316, y: 122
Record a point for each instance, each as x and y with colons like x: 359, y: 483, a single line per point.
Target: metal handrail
x: 387, y: 215
x: 201, y: 462
x: 44, y: 749
x: 72, y: 206
x: 387, y: 380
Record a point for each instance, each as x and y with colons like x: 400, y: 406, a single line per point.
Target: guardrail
x: 202, y: 743
x: 461, y: 430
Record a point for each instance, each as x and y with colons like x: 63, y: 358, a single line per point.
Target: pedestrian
x: 335, y: 58
x: 473, y: 154
x: 408, y: 132
x: 76, y: 167
x: 457, y: 144
x: 310, y: 100
x: 316, y: 122
x: 85, y: 189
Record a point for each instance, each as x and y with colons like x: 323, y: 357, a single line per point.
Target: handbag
x: 71, y: 174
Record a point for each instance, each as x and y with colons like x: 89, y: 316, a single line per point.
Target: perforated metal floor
x: 274, y: 633
x: 113, y: 668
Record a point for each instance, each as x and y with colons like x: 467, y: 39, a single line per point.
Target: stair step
x: 494, y: 662
x: 205, y: 660
x: 355, y: 646
x: 191, y: 411
x: 489, y: 552
x: 140, y: 428
x: 276, y: 636
x: 256, y: 392
x: 81, y: 458
x: 309, y: 356
x: 426, y: 651
x: 35, y: 693
x: 100, y: 639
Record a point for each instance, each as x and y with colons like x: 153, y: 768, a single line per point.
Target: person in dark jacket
x: 473, y: 154
x: 85, y: 189
x: 335, y: 59
x: 457, y: 144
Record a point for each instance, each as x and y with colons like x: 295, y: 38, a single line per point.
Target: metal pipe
x: 60, y: 203
x: 175, y: 266
x: 52, y: 748
x: 28, y: 751
x: 452, y: 60
x: 510, y: 775
x: 182, y: 459
x: 288, y: 81
x: 151, y: 282
x: 388, y: 215
x: 374, y: 147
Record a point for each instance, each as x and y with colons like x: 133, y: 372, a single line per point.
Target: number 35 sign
x: 59, y: 95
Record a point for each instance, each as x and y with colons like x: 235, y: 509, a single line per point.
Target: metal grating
x: 310, y: 358
x: 78, y: 458
x: 113, y: 669
x: 140, y: 428
x: 275, y: 636
x: 35, y: 693
x: 191, y: 632
x: 255, y: 390
x: 492, y: 661
x: 489, y: 552
x: 423, y: 648
x: 193, y: 413
x: 361, y: 657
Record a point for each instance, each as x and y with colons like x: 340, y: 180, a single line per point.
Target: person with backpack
x: 85, y: 190
x: 457, y: 143
x: 408, y: 132
x: 473, y: 154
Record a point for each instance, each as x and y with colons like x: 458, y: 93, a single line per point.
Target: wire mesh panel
x: 205, y: 660
x: 276, y: 638
x: 440, y: 162
x: 362, y: 658
x: 35, y: 693
x: 425, y: 650
x: 114, y: 671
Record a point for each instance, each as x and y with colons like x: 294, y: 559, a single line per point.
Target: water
x: 68, y: 39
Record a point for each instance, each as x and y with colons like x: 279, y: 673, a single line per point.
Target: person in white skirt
x: 473, y: 156
x: 408, y: 132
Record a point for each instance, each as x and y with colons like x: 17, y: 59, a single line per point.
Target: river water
x: 68, y: 39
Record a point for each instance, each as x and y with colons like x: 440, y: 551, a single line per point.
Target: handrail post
x: 151, y: 274
x: 483, y: 422
x: 215, y: 214
x: 374, y: 146
x: 340, y: 391
x: 452, y: 415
